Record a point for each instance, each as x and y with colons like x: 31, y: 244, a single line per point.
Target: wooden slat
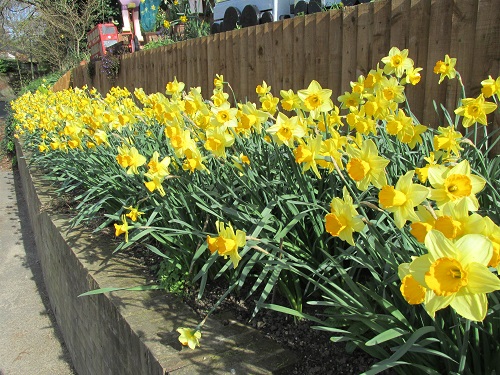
x: 253, y: 80
x: 463, y: 29
x: 270, y: 75
x: 298, y: 72
x: 227, y: 52
x: 277, y: 56
x: 242, y: 50
x: 400, y: 17
x: 364, y: 39
x: 439, y: 44
x: 261, y: 68
x: 321, y: 63
x: 418, y: 47
x: 287, y: 53
x: 349, y: 38
x: 210, y: 64
x: 234, y: 58
x: 310, y: 49
x: 381, y: 31
x: 204, y: 80
x: 335, y: 53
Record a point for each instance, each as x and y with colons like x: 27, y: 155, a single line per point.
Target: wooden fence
x: 332, y: 47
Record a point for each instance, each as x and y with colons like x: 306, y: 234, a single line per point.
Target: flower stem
x: 463, y: 350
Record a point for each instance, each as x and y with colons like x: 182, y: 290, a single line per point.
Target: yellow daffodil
x: 122, y: 228
x: 413, y: 76
x: 262, y: 89
x: 448, y: 139
x: 446, y: 68
x: 423, y: 225
x: 286, y: 130
x: 159, y: 167
x: 134, y: 213
x: 412, y: 291
x: 189, y: 337
x: 490, y: 87
x: 350, y: 100
x: 290, y: 101
x: 269, y: 103
x: 166, y: 24
x: 492, y: 231
x: 456, y: 273
x: 316, y: 99
x: 366, y: 166
x: 452, y: 185
x: 183, y: 19
x: 306, y: 154
x: 392, y: 90
x: 135, y: 160
x: 343, y: 219
x: 194, y: 160
x: 397, y: 62
x: 401, y: 199
x: 174, y: 87
x: 454, y: 221
x: 219, y: 81
x: 218, y: 140
x: 227, y: 243
x: 475, y: 110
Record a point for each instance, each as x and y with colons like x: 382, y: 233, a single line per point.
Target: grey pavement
x: 30, y: 342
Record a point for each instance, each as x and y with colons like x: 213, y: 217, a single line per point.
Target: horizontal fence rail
x: 333, y: 48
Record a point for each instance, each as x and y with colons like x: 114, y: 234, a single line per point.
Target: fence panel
x: 333, y: 48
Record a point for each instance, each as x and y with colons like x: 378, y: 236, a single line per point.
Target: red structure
x: 102, y: 36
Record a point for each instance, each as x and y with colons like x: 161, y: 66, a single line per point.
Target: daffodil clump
x: 354, y: 203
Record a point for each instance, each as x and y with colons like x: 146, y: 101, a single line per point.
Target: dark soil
x: 316, y: 353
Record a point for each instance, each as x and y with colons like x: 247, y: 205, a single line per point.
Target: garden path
x: 29, y: 340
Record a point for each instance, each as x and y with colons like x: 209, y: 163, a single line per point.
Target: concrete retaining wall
x: 128, y: 332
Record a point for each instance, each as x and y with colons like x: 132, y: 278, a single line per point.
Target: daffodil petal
x: 438, y: 245
x: 470, y: 306
x: 474, y: 248
x: 481, y: 280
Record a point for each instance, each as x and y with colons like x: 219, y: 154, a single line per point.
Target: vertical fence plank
x: 418, y: 46
x: 270, y: 75
x: 236, y: 37
x: 299, y: 67
x: 463, y: 29
x: 487, y: 43
x: 210, y: 63
x: 381, y: 30
x: 227, y: 60
x: 439, y: 41
x: 203, y: 65
x: 243, y: 66
x: 335, y: 52
x: 253, y: 80
x: 364, y: 39
x: 487, y: 53
x: 349, y: 38
x: 277, y: 56
x: 400, y: 18
x: 261, y: 68
x: 310, y: 49
x: 321, y: 63
x: 287, y: 53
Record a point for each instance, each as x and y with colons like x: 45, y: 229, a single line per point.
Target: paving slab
x: 30, y: 342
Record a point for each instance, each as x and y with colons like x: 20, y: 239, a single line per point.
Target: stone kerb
x: 129, y: 332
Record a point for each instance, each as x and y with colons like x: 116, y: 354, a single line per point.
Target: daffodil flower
x: 457, y: 274
x: 451, y: 185
x: 189, y: 337
x: 227, y: 243
x: 402, y: 198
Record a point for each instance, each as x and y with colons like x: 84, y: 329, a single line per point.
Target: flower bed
x: 387, y: 226
x: 127, y: 332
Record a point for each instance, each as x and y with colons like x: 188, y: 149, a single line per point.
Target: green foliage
x: 47, y: 80
x: 172, y: 276
x: 160, y: 42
